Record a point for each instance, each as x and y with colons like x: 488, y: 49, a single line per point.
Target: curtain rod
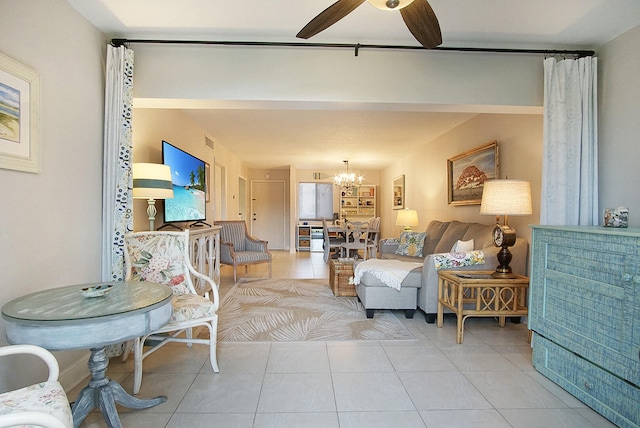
x: 356, y: 47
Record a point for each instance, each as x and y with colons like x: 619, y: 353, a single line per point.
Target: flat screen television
x: 188, y: 180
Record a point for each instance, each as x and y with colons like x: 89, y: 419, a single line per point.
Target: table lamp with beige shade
x: 505, y: 198
x: 407, y: 218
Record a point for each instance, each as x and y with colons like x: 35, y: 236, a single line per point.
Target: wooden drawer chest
x: 584, y: 311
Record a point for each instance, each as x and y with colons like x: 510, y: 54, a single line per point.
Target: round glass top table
x: 63, y: 319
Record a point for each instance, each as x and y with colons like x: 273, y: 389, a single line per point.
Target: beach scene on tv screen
x: 188, y: 179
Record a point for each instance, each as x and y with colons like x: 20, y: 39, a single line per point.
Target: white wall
x: 619, y: 127
x: 519, y: 140
x: 51, y: 221
x: 334, y: 75
x: 471, y: 82
x: 151, y: 126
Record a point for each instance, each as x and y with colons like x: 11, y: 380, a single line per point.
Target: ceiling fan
x: 417, y: 14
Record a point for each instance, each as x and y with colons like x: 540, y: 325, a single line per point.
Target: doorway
x: 268, y: 212
x: 242, y: 198
x: 220, y: 196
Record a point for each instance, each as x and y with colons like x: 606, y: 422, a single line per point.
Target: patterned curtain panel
x: 570, y: 147
x: 117, y: 181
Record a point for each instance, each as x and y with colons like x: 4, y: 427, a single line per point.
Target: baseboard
x: 74, y: 373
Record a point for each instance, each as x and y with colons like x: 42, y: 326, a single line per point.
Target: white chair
x: 162, y: 257
x: 44, y: 404
x: 374, y: 237
x: 329, y: 242
x: 357, y: 237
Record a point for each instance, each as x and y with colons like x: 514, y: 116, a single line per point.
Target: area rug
x: 288, y: 310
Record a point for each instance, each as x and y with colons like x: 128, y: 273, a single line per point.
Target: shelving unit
x: 304, y: 238
x: 361, y: 205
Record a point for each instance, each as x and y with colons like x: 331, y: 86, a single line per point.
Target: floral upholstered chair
x: 162, y: 257
x: 44, y: 404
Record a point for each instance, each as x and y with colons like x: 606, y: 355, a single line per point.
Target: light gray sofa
x: 441, y: 236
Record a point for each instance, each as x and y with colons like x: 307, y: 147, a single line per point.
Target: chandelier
x: 347, y: 181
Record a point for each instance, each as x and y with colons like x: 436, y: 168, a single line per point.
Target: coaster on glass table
x: 96, y: 291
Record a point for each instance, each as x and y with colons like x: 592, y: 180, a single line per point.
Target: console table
x: 62, y: 319
x: 204, y: 250
x: 478, y: 294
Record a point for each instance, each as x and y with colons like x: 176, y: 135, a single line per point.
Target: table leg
x: 440, y: 313
x: 459, y: 317
x: 107, y: 393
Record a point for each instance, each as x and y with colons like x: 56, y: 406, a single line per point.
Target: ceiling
x: 379, y: 136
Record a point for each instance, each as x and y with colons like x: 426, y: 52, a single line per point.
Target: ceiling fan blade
x: 328, y: 17
x: 423, y: 23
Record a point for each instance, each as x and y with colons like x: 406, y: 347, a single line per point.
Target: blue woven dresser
x: 584, y: 311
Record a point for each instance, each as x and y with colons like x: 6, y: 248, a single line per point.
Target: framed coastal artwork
x: 398, y: 193
x: 468, y: 171
x: 19, y: 112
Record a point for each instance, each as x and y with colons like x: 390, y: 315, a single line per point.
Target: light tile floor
x: 488, y: 381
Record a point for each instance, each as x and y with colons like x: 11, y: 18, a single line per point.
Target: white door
x: 220, y: 192
x: 268, y: 212
x: 242, y: 198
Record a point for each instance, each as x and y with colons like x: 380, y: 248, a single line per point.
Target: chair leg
x: 138, y: 344
x: 189, y: 334
x: 269, y: 269
x: 128, y: 347
x: 213, y: 340
x: 235, y: 274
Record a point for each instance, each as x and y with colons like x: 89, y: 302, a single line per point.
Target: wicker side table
x: 340, y: 272
x: 477, y: 294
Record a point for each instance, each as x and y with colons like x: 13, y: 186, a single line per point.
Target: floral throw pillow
x: 411, y: 244
x: 455, y: 260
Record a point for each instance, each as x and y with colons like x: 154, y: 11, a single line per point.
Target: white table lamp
x: 152, y: 181
x: 407, y: 218
x: 505, y: 198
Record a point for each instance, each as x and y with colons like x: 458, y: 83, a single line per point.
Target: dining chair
x: 357, y: 234
x: 330, y: 243
x: 163, y: 257
x: 238, y: 248
x: 374, y: 237
x: 44, y: 404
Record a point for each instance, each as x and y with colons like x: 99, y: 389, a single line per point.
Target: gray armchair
x: 238, y: 248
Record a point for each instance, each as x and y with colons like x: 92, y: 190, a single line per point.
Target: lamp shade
x: 506, y: 197
x: 152, y: 181
x: 407, y: 218
x: 390, y: 4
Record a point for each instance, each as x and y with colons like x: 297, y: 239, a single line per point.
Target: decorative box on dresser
x: 584, y: 312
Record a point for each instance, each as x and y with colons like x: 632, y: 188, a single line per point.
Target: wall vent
x: 208, y: 142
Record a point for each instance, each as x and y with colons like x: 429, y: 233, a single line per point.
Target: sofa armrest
x: 428, y: 293
x: 389, y: 245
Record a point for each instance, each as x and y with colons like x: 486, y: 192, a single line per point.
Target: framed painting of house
x: 398, y: 193
x: 19, y: 107
x: 468, y: 171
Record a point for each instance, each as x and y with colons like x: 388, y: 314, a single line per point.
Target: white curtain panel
x: 117, y: 181
x: 570, y: 146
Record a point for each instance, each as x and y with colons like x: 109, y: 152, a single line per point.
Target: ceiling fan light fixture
x: 390, y: 4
